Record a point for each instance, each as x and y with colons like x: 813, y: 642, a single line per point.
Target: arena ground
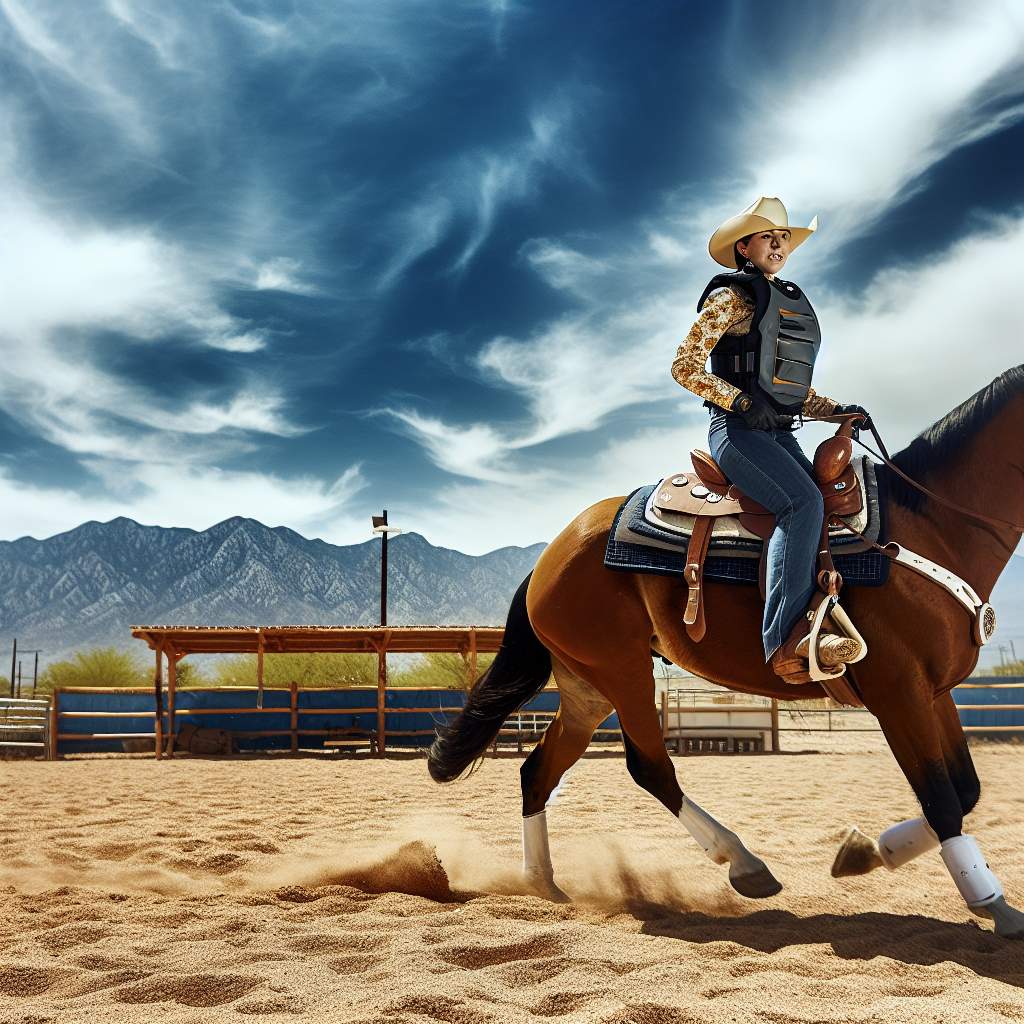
x: 359, y: 890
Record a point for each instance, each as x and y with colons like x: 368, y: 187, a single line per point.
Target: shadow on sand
x: 909, y: 939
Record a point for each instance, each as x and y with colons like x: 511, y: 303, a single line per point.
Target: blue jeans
x: 771, y: 468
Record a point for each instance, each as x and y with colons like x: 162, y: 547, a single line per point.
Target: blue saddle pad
x: 635, y: 545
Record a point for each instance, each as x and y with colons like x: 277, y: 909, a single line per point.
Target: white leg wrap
x: 536, y: 852
x: 710, y: 834
x: 965, y: 863
x: 905, y: 841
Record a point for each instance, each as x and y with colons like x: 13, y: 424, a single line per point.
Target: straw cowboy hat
x: 767, y: 213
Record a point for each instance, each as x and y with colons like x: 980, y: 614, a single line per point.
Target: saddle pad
x: 634, y: 545
x: 728, y: 534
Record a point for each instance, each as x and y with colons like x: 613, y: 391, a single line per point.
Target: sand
x: 338, y: 889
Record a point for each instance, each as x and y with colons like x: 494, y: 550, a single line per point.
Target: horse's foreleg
x: 581, y: 710
x: 915, y: 732
x: 651, y: 768
x: 905, y: 841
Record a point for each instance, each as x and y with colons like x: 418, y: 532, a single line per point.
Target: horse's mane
x: 942, y: 440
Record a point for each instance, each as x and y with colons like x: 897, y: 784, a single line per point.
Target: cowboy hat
x: 764, y: 215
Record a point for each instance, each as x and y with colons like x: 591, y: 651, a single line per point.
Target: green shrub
x: 101, y: 666
x: 442, y: 669
x: 326, y: 670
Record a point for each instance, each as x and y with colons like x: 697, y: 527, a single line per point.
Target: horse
x: 595, y: 631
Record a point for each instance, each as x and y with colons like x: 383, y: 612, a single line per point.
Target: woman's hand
x: 758, y: 413
x: 846, y: 410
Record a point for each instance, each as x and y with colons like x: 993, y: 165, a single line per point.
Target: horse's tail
x: 520, y: 668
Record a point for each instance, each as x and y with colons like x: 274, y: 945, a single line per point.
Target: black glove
x: 845, y: 410
x: 759, y: 414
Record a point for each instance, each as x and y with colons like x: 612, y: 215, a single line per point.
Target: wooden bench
x: 706, y: 741
x: 351, y: 739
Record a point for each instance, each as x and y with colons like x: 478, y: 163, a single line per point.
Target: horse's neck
x: 987, y: 476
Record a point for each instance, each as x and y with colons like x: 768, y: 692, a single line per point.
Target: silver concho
x: 679, y: 480
x: 699, y: 491
x: 712, y: 497
x: 841, y: 486
x: 984, y: 624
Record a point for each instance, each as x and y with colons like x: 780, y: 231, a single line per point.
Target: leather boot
x: 834, y: 648
x: 790, y: 661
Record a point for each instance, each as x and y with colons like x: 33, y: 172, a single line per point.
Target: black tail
x: 521, y: 667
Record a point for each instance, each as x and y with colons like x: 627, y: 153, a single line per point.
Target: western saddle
x: 715, y: 496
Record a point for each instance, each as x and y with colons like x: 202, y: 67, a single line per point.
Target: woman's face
x: 767, y: 250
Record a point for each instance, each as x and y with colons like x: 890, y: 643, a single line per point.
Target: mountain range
x: 85, y: 587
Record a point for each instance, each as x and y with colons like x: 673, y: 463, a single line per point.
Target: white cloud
x: 463, y: 451
x: 849, y: 130
x: 919, y: 340
x: 282, y: 274
x: 566, y: 268
x: 480, y: 516
x: 192, y: 497
x: 844, y: 133
x: 668, y: 249
x: 910, y: 347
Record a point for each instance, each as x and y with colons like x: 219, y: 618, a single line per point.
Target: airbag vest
x: 776, y: 356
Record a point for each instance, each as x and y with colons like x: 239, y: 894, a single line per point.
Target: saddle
x: 708, y: 494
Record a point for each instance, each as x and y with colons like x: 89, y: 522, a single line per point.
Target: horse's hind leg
x: 648, y: 762
x: 581, y: 710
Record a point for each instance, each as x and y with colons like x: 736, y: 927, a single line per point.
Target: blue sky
x: 302, y: 261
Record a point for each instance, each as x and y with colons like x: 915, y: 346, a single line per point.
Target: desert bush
x: 315, y: 669
x: 440, y: 668
x: 100, y: 666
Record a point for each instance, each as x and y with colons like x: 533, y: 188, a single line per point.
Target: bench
x: 351, y: 739
x: 705, y: 741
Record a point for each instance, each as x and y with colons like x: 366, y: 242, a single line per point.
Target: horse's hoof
x: 1008, y: 921
x: 757, y: 885
x: 857, y: 855
x: 546, y: 888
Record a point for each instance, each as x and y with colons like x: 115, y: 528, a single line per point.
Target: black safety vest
x: 776, y: 356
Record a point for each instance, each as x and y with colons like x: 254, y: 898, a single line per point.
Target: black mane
x: 941, y: 441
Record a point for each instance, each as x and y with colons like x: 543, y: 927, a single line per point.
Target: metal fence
x: 24, y: 726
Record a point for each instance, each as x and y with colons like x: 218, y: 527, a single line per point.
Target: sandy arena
x: 309, y: 888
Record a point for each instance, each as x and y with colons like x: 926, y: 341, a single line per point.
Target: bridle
x: 883, y: 456
x: 983, y: 614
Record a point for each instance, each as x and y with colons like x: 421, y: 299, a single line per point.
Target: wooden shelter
x: 176, y: 642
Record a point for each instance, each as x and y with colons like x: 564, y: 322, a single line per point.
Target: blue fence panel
x: 1010, y: 690
x: 361, y: 700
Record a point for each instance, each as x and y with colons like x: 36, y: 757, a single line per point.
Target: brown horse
x: 596, y: 629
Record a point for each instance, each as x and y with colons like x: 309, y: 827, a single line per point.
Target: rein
x: 883, y: 455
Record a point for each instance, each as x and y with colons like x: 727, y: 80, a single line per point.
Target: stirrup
x: 815, y: 669
x: 833, y: 648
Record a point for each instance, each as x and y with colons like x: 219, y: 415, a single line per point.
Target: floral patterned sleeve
x: 818, y: 405
x: 724, y: 308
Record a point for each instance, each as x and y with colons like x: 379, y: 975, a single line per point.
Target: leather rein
x: 883, y: 455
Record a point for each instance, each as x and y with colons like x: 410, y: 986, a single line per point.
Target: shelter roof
x: 319, y: 639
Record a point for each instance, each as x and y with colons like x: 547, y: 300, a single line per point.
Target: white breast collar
x: 982, y: 613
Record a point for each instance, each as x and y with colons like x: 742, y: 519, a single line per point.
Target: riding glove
x: 845, y: 410
x: 758, y: 413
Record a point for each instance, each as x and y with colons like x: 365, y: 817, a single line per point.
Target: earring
x: 748, y: 267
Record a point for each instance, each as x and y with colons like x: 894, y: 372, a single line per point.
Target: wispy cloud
x: 842, y: 148
x: 193, y: 497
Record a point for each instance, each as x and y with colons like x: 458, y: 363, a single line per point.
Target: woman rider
x: 762, y: 336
